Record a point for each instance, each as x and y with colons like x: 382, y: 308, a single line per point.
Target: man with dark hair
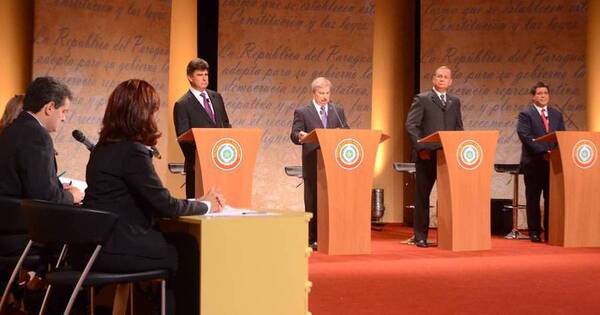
x: 319, y: 113
x: 431, y: 111
x: 27, y: 158
x: 536, y: 120
x: 197, y: 108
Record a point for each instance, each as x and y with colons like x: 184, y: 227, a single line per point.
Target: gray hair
x: 320, y: 82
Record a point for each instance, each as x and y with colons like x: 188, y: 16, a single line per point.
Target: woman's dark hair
x: 130, y: 114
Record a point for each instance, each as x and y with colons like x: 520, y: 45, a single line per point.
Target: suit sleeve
x: 142, y: 180
x: 526, y: 135
x: 459, y: 121
x: 38, y: 171
x: 226, y: 123
x: 414, y: 121
x: 181, y: 119
x: 297, y: 125
x: 343, y: 114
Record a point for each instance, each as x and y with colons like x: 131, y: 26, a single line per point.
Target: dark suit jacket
x: 427, y: 115
x: 190, y: 113
x: 531, y: 126
x: 306, y: 119
x: 28, y: 164
x: 121, y: 179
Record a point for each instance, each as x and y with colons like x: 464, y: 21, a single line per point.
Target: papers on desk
x: 79, y: 184
x: 229, y: 211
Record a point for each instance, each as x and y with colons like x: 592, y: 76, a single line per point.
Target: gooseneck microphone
x: 155, y: 152
x: 332, y: 106
x: 79, y: 136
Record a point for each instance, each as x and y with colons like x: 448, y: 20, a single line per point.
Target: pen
x: 61, y: 174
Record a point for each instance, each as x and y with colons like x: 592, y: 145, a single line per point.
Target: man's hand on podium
x: 425, y: 155
x: 217, y: 201
x: 302, y: 135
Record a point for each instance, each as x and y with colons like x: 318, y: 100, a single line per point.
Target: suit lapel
x: 196, y: 103
x: 332, y: 118
x: 217, y: 112
x: 537, y: 119
x: 315, y: 114
x: 435, y: 99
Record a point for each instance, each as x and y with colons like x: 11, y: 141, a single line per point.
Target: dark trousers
x: 310, y: 205
x: 190, y: 179
x: 536, y: 177
x: 426, y: 176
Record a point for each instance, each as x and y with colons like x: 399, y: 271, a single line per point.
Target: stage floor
x: 515, y: 276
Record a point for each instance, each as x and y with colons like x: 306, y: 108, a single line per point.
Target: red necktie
x: 545, y: 119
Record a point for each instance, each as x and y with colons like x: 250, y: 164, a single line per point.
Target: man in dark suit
x: 319, y: 113
x: 536, y: 120
x: 198, y: 108
x: 431, y: 111
x: 27, y: 157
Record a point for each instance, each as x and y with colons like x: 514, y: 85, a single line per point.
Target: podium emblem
x: 584, y: 153
x: 226, y: 154
x: 469, y: 155
x: 349, y: 154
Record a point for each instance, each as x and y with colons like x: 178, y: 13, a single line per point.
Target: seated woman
x: 121, y: 179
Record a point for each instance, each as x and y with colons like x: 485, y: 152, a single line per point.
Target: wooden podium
x: 225, y: 159
x: 464, y: 174
x: 344, y: 182
x: 574, y: 181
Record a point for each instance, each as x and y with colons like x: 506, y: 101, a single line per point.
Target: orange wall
x: 184, y: 47
x: 393, y: 89
x: 16, y: 28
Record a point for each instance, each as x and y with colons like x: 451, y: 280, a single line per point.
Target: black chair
x: 13, y: 226
x: 54, y: 224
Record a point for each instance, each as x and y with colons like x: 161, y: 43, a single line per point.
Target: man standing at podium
x: 319, y: 113
x: 198, y: 108
x: 431, y: 111
x: 536, y: 120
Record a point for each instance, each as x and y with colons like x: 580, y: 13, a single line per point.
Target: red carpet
x: 514, y: 277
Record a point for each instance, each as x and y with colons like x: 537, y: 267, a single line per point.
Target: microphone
x: 79, y: 136
x: 337, y: 115
x: 155, y: 152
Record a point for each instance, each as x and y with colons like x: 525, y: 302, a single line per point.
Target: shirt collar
x: 34, y: 116
x: 196, y: 92
x: 439, y: 93
x: 539, y: 109
x: 318, y: 107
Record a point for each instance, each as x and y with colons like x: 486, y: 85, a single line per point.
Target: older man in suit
x: 536, y: 120
x: 431, y: 111
x: 319, y: 113
x: 197, y: 108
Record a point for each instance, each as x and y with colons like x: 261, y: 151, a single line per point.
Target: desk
x: 250, y: 264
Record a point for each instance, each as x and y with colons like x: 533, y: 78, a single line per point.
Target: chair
x: 13, y: 224
x: 53, y: 224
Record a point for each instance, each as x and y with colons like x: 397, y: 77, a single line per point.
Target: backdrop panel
x: 92, y: 46
x: 269, y: 52
x: 497, y: 50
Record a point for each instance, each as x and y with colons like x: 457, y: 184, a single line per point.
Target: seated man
x: 27, y: 158
x: 27, y: 155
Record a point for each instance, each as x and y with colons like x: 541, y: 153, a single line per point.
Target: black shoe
x: 421, y: 243
x: 313, y: 245
x: 535, y: 238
